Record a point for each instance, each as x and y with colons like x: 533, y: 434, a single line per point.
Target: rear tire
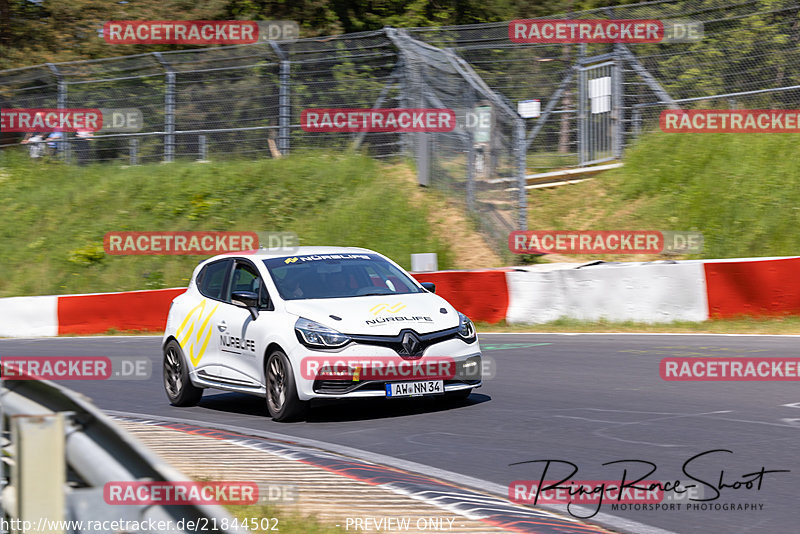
x: 177, y: 385
x: 283, y: 403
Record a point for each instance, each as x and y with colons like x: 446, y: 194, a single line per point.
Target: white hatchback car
x: 323, y: 322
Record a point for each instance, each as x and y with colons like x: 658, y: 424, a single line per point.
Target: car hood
x: 381, y: 315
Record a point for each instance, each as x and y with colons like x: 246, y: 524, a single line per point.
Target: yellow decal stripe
x: 186, y: 320
x: 207, y: 338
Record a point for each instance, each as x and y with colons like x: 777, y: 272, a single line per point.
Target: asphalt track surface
x: 585, y: 399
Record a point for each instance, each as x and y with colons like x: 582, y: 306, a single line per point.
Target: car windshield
x: 328, y: 276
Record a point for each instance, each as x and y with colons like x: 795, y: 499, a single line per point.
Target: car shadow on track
x: 332, y: 411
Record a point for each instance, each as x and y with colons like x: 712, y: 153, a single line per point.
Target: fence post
x: 522, y: 151
x: 636, y: 118
x: 403, y: 73
x: 285, y: 109
x: 423, y: 159
x: 616, y: 95
x: 551, y: 105
x: 618, y: 112
x: 202, y: 149
x: 415, y: 97
x: 169, y: 109
x: 582, y: 122
x: 133, y: 151
x: 470, y: 173
x: 169, y: 118
x: 284, y: 103
x: 61, y: 103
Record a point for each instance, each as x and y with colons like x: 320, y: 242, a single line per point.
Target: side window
x: 245, y: 278
x: 211, y: 280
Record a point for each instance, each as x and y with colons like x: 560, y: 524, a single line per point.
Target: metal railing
x: 51, y: 426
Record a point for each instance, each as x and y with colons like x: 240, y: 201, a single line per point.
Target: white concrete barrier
x: 638, y: 292
x: 29, y: 316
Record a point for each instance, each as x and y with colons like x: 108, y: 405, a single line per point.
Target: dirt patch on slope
x: 450, y: 224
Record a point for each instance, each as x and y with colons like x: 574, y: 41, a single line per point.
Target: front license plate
x: 412, y: 389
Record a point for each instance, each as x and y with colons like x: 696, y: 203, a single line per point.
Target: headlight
x: 465, y: 328
x: 317, y: 335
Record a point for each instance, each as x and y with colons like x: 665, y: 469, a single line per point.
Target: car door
x: 240, y: 337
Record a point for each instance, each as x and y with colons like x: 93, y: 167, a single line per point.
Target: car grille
x: 396, y: 342
x: 470, y: 377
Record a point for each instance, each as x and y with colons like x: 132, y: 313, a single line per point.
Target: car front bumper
x: 464, y: 365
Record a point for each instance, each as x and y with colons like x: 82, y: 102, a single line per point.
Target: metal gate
x: 599, y: 110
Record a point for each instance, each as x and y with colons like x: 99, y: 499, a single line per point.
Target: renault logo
x: 411, y: 344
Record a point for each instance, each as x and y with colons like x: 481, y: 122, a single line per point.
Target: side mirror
x: 246, y: 299
x: 430, y: 286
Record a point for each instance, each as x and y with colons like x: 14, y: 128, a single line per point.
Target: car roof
x: 264, y: 253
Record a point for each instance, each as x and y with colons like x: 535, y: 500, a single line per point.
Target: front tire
x: 177, y: 385
x: 283, y: 403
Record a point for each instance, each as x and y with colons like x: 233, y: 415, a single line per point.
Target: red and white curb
x: 642, y: 292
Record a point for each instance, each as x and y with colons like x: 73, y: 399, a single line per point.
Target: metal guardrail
x: 94, y: 451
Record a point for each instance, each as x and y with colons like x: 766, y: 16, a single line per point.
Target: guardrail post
x: 39, y: 472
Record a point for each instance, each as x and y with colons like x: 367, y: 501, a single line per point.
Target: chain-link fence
x: 482, y: 159
x: 221, y: 102
x: 594, y: 99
